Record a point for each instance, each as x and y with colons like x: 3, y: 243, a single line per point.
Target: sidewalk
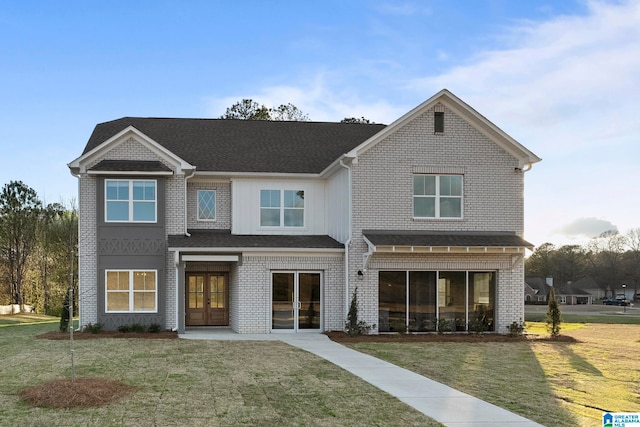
x: 444, y: 404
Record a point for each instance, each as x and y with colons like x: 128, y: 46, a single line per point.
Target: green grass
x: 191, y: 383
x: 553, y: 383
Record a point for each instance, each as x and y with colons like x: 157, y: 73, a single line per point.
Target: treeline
x: 612, y: 259
x: 38, y: 256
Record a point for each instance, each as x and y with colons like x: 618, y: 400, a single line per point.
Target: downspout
x: 347, y: 243
x: 176, y: 254
x: 186, y: 178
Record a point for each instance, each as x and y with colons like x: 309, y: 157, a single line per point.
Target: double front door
x: 295, y: 301
x: 207, y: 299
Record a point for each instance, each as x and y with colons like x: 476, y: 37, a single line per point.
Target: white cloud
x: 586, y: 227
x: 566, y: 88
x: 317, y: 99
x: 570, y: 70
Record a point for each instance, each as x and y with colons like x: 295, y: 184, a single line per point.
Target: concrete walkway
x: 444, y: 404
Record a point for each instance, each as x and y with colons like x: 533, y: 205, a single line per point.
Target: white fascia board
x: 473, y: 117
x: 334, y: 167
x: 211, y: 258
x: 256, y: 250
x: 257, y: 175
x: 130, y: 173
x: 79, y: 165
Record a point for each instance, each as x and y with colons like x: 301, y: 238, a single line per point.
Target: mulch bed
x: 55, y: 335
x: 342, y: 337
x: 81, y: 392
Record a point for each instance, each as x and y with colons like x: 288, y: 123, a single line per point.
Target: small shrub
x: 443, y: 325
x: 516, y: 328
x: 481, y: 321
x: 138, y: 328
x: 353, y: 325
x: 154, y: 328
x: 94, y: 328
x: 124, y: 328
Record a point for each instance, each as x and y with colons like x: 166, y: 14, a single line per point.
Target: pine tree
x: 554, y: 316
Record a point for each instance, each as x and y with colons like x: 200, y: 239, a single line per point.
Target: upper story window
x: 130, y: 200
x: 281, y: 208
x: 437, y: 196
x: 131, y: 291
x: 206, y: 205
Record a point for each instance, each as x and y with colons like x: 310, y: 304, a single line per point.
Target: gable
x: 126, y: 150
x: 445, y: 101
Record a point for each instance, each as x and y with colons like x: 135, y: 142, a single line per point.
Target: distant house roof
x: 585, y: 283
x: 246, y: 145
x: 215, y: 240
x: 538, y: 284
x: 569, y: 289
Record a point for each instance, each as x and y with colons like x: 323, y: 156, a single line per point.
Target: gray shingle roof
x: 446, y: 238
x: 246, y: 145
x: 224, y: 239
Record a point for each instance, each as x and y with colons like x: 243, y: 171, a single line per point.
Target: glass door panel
x: 392, y: 294
x: 283, y: 314
x: 422, y: 301
x: 309, y: 301
x: 452, y: 297
x: 482, y: 288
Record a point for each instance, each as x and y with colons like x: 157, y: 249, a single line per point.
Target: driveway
x: 597, y: 309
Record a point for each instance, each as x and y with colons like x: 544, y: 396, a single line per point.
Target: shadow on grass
x: 506, y: 374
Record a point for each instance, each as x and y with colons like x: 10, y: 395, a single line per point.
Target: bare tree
x: 248, y: 109
x: 605, y: 255
x: 632, y: 258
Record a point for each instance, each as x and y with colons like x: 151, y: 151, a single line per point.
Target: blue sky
x: 562, y: 78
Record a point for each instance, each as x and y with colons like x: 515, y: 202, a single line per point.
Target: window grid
x: 129, y: 291
x: 437, y: 196
x: 130, y: 200
x: 282, y: 208
x: 206, y: 205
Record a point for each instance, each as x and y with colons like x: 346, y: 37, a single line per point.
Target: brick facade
x: 492, y: 201
x: 381, y: 199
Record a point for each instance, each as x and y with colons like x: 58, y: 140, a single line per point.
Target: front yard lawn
x: 191, y: 383
x: 563, y: 383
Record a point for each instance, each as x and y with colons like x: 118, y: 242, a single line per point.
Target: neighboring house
x: 571, y: 295
x: 589, y: 285
x: 270, y: 226
x: 536, y: 289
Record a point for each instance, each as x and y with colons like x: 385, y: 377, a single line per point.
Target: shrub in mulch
x: 342, y: 337
x: 54, y: 335
x: 81, y: 392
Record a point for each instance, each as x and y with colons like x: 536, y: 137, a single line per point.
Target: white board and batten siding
x: 246, y: 206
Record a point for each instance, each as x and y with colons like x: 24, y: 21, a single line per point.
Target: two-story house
x: 271, y: 226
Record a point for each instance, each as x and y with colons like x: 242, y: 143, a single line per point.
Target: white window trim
x: 282, y: 209
x: 215, y: 206
x: 131, y: 291
x: 437, y: 197
x: 131, y: 201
